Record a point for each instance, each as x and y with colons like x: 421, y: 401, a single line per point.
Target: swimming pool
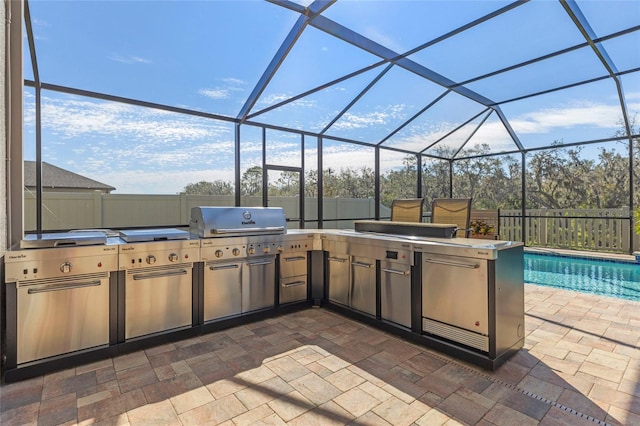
x: 609, y: 278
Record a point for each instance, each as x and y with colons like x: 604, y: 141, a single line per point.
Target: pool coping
x: 606, y: 257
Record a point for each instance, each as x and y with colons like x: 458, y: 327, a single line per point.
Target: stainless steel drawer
x: 293, y: 264
x: 293, y: 289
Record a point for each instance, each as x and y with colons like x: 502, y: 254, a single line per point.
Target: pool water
x: 608, y: 278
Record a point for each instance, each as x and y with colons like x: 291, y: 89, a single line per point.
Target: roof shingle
x: 55, y: 177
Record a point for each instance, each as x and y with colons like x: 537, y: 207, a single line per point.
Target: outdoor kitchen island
x: 462, y: 297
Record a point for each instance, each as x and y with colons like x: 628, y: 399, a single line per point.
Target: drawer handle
x: 293, y: 259
x: 70, y: 286
x: 160, y: 274
x: 294, y: 284
x: 337, y: 259
x: 264, y: 262
x: 448, y: 263
x: 362, y: 264
x: 394, y: 271
x: 220, y: 267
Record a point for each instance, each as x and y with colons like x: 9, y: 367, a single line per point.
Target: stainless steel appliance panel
x: 363, y: 284
x: 395, y: 292
x: 455, y: 291
x: 61, y: 315
x: 258, y: 283
x: 339, y: 278
x: 293, y: 289
x: 222, y: 289
x: 293, y: 264
x: 35, y: 264
x: 293, y: 276
x: 157, y: 299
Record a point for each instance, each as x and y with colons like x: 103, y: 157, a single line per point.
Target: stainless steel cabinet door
x: 259, y: 283
x: 222, y: 290
x: 61, y: 316
x: 339, y: 278
x: 363, y: 284
x: 395, y: 292
x: 157, y: 301
x: 455, y: 291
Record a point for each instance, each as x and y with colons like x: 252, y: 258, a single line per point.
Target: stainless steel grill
x: 239, y: 249
x: 207, y: 222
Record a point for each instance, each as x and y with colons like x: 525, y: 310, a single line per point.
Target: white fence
x: 577, y: 229
x: 63, y: 211
x: 597, y: 230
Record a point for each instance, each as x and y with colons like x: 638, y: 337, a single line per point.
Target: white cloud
x: 224, y: 92
x: 129, y: 59
x: 214, y: 93
x: 234, y: 81
x: 272, y: 99
x: 585, y: 114
x: 73, y: 117
x: 352, y: 121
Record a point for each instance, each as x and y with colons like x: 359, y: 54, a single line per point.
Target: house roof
x: 55, y: 177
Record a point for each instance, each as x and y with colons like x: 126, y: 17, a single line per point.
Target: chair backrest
x: 453, y: 210
x: 407, y: 210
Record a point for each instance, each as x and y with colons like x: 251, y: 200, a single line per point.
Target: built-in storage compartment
x: 61, y: 315
x: 157, y: 290
x: 258, y: 283
x: 339, y: 277
x: 363, y: 282
x: 157, y: 299
x: 293, y: 277
x: 222, y: 289
x: 235, y: 287
x: 351, y: 276
x: 59, y: 303
x: 395, y: 290
x: 455, y: 299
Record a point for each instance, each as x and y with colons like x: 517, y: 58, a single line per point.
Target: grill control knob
x: 218, y: 253
x: 251, y: 250
x: 235, y: 252
x: 280, y: 249
x: 65, y: 267
x: 173, y: 257
x: 266, y: 249
x: 151, y: 259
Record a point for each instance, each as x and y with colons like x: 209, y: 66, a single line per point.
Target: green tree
x: 217, y: 187
x: 287, y: 185
x: 400, y: 183
x: 251, y: 181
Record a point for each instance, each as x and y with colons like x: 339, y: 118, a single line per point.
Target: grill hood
x: 207, y: 222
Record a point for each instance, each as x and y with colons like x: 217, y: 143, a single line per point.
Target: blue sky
x: 208, y: 56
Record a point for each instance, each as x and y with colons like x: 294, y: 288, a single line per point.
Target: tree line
x: 556, y: 178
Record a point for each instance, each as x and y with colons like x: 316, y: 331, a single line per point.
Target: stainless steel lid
x: 63, y: 239
x: 415, y: 229
x: 236, y: 221
x: 160, y: 234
